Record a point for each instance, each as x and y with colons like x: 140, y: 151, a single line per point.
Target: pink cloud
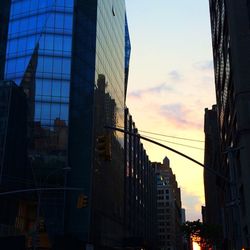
x: 179, y: 116
x: 164, y: 87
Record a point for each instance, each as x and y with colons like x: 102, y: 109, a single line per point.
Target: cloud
x: 192, y: 204
x: 179, y: 115
x: 175, y: 75
x: 164, y: 87
x: 204, y: 65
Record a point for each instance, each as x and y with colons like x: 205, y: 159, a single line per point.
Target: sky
x: 171, y: 82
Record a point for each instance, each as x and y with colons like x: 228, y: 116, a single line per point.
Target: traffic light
x: 82, y: 201
x: 104, y: 147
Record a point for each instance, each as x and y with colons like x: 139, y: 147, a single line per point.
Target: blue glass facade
x: 46, y: 25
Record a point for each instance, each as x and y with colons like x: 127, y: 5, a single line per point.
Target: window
x: 47, y: 88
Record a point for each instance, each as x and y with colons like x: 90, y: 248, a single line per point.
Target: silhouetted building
x: 230, y: 22
x: 213, y: 185
x: 169, y: 211
x: 71, y: 59
x: 140, y: 192
x: 14, y: 171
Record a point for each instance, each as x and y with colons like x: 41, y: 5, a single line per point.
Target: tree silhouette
x: 206, y: 235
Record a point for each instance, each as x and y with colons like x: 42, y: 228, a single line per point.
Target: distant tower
x: 169, y: 213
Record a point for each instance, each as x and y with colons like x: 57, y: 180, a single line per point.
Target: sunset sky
x: 171, y: 83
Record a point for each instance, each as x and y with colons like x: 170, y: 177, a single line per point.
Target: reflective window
x: 65, y: 89
x: 46, y: 111
x: 58, y: 43
x: 47, y: 64
x: 57, y: 65
x: 55, y: 111
x: 59, y: 20
x: 67, y: 43
x: 56, y: 88
x: 48, y: 24
x: 64, y: 112
x: 39, y: 86
x: 47, y: 88
x: 38, y: 109
x: 68, y: 22
x: 66, y: 66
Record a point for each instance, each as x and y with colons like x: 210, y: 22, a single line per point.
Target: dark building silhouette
x: 14, y: 172
x: 212, y: 183
x: 230, y: 38
x: 140, y: 192
x: 214, y: 186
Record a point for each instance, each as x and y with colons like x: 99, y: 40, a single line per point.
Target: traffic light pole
x: 170, y: 149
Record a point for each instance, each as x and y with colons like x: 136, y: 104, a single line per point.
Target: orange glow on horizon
x: 196, y: 246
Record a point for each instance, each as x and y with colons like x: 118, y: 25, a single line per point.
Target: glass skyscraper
x: 71, y: 59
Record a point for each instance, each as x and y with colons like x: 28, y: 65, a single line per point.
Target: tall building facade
x: 230, y: 38
x: 140, y: 192
x: 169, y: 211
x: 71, y: 59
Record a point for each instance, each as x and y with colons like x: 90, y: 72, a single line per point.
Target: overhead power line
x: 180, y: 144
x: 170, y: 136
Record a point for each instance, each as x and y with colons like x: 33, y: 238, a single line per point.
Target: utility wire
x: 184, y: 145
x: 170, y: 136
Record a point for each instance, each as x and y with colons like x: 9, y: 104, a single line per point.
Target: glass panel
x: 11, y: 66
x: 51, y: 21
x: 56, y: 88
x: 49, y: 42
x: 38, y: 109
x: 57, y: 65
x: 25, y: 6
x: 46, y: 111
x: 21, y: 45
x: 47, y: 88
x: 47, y: 64
x: 65, y: 89
x: 32, y: 22
x: 14, y: 27
x: 34, y: 5
x: 67, y: 43
x: 40, y: 64
x: 64, y: 112
x: 66, y: 66
x: 60, y: 3
x: 41, y: 21
x: 39, y: 85
x: 58, y: 43
x: 59, y: 21
x: 20, y: 65
x: 68, y: 22
x: 69, y: 3
x: 12, y: 46
x: 55, y: 111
